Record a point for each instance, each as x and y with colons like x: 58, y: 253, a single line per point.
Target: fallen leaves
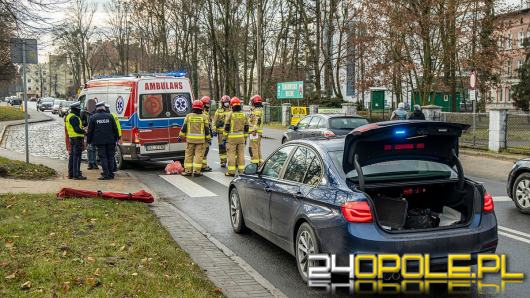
x: 11, y: 276
x: 90, y: 259
x: 26, y: 285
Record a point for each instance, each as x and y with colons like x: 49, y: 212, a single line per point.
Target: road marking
x: 514, y: 231
x: 514, y: 237
x: 502, y: 199
x: 219, y: 177
x: 214, y: 149
x: 189, y: 187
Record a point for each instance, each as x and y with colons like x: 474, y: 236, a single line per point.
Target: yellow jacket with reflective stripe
x: 118, y: 125
x: 70, y: 129
x: 256, y: 120
x: 218, y: 122
x: 195, y: 129
x: 238, y: 124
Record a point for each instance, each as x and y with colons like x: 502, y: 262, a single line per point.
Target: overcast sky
x: 46, y: 43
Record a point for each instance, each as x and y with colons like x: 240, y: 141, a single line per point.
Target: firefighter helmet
x: 235, y: 101
x: 206, y: 100
x: 255, y: 99
x: 225, y: 98
x: 197, y: 104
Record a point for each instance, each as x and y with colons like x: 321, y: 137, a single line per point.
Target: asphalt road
x: 206, y: 202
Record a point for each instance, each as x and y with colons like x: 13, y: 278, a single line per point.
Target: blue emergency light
x: 178, y: 74
x: 399, y: 132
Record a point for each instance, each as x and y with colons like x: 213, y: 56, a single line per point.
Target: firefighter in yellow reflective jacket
x: 218, y: 127
x: 236, y: 132
x: 256, y: 129
x: 197, y: 133
x: 206, y: 111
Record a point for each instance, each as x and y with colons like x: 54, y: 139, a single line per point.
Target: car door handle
x: 267, y: 189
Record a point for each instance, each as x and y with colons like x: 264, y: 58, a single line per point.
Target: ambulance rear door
x: 153, y: 117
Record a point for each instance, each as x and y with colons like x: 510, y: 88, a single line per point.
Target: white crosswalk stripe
x: 189, y: 187
x: 502, y: 199
x: 219, y: 177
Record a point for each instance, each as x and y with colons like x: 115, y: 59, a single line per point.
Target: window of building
x: 521, y: 39
x: 29, y: 88
x: 507, y: 94
x: 29, y: 80
x: 509, y: 68
x: 509, y: 41
x: 499, y: 95
x: 45, y: 88
x: 520, y: 64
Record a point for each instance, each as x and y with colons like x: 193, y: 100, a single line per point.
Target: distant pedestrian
x: 118, y: 125
x: 417, y: 114
x: 76, y: 134
x: 103, y: 133
x: 91, y: 150
x: 399, y: 113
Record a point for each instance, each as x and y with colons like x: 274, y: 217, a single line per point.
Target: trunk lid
x: 401, y: 140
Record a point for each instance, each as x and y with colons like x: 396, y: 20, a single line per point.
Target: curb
x: 225, y: 250
x: 492, y: 155
x: 2, y: 133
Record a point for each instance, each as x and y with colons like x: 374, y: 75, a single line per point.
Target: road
x: 204, y: 199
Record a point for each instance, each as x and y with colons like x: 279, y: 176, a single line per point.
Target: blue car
x: 389, y: 187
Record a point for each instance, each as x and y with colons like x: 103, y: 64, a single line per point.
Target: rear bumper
x: 131, y: 152
x: 359, y: 238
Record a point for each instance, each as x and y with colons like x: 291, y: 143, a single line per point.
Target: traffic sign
x: 472, y: 94
x: 18, y: 46
x: 297, y: 113
x: 290, y: 90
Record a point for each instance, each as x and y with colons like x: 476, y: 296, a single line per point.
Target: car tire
x: 284, y: 140
x: 306, y: 243
x: 236, y: 213
x: 521, y: 192
x: 121, y: 164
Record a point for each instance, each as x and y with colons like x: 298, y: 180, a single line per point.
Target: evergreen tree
x: 521, y: 91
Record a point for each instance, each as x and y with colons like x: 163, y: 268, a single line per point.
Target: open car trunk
x: 422, y: 205
x: 411, y: 173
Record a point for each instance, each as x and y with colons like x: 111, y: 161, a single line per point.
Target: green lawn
x: 91, y: 247
x: 10, y: 113
x: 276, y: 125
x: 21, y: 170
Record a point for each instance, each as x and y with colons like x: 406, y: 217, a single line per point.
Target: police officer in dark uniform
x: 103, y: 133
x: 76, y: 133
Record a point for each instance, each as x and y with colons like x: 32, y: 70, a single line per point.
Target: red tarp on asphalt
x: 140, y: 196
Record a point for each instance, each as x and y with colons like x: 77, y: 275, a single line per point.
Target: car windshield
x: 398, y: 169
x: 67, y: 103
x: 349, y: 123
x: 58, y: 102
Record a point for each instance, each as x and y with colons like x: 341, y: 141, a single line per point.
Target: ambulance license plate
x: 155, y: 147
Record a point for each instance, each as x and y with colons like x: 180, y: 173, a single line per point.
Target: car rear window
x: 346, y: 123
x: 398, y: 169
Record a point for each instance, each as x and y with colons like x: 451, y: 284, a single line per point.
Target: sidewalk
x: 273, y: 133
x: 34, y: 116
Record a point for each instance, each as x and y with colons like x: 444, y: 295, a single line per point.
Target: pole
x: 25, y: 98
x: 258, y: 44
x: 474, y: 121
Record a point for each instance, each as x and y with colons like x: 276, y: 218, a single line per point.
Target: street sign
x: 290, y: 90
x: 329, y: 111
x: 472, y: 94
x: 473, y: 80
x: 17, y: 45
x: 297, y: 113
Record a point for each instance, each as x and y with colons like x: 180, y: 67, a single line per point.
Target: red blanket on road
x: 140, y: 196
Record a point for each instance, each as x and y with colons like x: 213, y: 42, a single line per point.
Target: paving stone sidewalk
x: 225, y: 269
x: 34, y: 117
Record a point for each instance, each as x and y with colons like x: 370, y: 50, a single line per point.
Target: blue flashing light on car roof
x: 399, y: 132
x: 178, y: 74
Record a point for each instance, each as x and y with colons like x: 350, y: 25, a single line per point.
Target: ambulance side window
x: 180, y: 104
x: 152, y: 106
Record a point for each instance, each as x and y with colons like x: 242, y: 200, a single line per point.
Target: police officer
x: 118, y: 125
x: 236, y: 132
x: 76, y: 133
x: 197, y: 133
x: 206, y: 111
x: 219, y: 127
x: 256, y: 129
x: 103, y: 133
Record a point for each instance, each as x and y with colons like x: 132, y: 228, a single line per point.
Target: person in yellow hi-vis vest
x: 236, y: 132
x: 206, y: 111
x: 197, y: 133
x: 76, y: 133
x: 218, y: 127
x: 256, y: 129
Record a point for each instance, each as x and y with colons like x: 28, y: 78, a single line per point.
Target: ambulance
x: 151, y: 110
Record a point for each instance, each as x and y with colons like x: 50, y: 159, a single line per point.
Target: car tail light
x: 357, y: 211
x: 328, y: 133
x: 488, y: 203
x: 136, y: 135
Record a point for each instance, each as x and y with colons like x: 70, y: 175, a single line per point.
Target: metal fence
x: 517, y: 134
x: 376, y: 116
x: 478, y: 134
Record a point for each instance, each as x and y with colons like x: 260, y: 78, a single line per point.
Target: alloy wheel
x: 235, y: 211
x: 522, y: 193
x: 305, y: 247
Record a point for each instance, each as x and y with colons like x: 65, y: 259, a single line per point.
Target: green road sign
x: 290, y: 90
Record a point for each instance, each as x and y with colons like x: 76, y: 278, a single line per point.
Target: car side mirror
x: 251, y: 169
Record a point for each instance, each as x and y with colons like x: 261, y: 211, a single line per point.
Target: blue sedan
x: 390, y: 187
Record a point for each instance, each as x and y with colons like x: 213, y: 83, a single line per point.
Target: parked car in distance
x: 323, y: 125
x: 57, y: 105
x: 390, y: 187
x: 518, y: 185
x: 64, y: 108
x: 15, y: 101
x: 45, y: 104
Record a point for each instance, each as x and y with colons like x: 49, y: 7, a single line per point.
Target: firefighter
x: 197, y: 133
x: 256, y: 129
x: 236, y: 132
x: 206, y: 111
x: 118, y: 125
x: 76, y: 133
x: 219, y: 126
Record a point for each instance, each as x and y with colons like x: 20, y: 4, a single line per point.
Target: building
x: 53, y: 78
x: 514, y: 28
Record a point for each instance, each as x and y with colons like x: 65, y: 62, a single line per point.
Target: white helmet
x: 401, y: 105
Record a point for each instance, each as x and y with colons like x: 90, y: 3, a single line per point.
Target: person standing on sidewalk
x: 103, y: 133
x: 236, y: 132
x: 417, y: 114
x: 76, y: 133
x: 219, y: 127
x: 197, y: 133
x: 91, y: 150
x: 118, y: 125
x: 399, y: 113
x: 206, y: 111
x: 256, y: 129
